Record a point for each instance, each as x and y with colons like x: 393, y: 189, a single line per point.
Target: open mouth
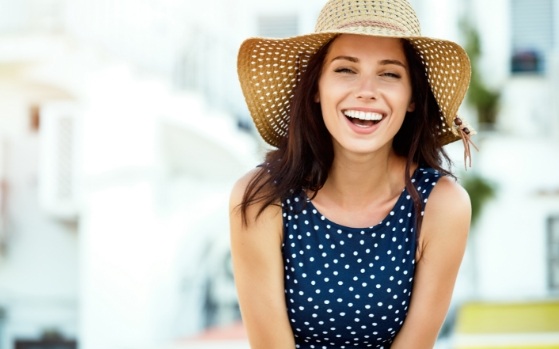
x: 362, y: 118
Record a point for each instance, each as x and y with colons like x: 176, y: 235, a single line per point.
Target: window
x: 532, y: 34
x: 553, y: 253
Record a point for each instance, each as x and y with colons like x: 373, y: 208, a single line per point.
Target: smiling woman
x: 333, y: 243
x: 366, y: 78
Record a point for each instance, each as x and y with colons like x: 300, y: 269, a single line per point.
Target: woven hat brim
x: 269, y: 69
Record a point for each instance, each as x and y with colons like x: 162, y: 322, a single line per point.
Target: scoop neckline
x: 388, y: 218
x: 376, y: 226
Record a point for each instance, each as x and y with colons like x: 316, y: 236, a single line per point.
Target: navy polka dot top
x: 349, y: 288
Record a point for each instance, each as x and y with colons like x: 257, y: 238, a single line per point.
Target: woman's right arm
x: 258, y: 269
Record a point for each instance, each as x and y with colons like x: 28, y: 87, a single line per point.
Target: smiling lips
x: 362, y: 118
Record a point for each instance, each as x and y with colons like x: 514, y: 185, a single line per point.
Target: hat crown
x: 376, y: 17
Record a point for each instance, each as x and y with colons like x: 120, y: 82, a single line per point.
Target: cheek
x: 329, y: 115
x: 327, y: 102
x: 405, y: 99
x: 328, y: 92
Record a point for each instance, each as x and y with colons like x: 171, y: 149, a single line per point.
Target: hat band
x: 379, y: 24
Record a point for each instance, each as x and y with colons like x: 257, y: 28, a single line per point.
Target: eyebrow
x: 382, y: 62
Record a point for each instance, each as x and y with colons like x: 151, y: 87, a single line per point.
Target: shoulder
x: 254, y: 210
x: 449, y: 198
x: 447, y: 214
x: 441, y: 190
x: 256, y: 231
x: 240, y: 187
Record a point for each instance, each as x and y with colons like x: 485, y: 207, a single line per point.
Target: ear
x: 317, y: 97
x: 411, y: 107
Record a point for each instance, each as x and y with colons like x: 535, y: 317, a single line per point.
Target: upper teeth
x: 362, y: 115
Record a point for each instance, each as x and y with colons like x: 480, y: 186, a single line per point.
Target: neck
x: 355, y: 180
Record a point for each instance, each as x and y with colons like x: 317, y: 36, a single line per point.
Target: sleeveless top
x: 349, y: 288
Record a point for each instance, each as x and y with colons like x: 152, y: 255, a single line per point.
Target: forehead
x: 367, y: 45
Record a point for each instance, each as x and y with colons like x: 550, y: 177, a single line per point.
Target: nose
x: 367, y: 88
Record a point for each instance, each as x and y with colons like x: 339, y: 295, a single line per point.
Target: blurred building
x: 516, y: 239
x: 511, y: 271
x: 122, y: 128
x: 119, y: 148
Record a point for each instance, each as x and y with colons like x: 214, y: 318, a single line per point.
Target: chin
x: 363, y: 147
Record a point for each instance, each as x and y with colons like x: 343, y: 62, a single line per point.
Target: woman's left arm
x: 442, y: 243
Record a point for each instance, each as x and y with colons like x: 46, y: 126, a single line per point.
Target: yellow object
x: 528, y: 325
x: 509, y: 317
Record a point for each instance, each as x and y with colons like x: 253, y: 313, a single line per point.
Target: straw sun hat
x: 269, y: 68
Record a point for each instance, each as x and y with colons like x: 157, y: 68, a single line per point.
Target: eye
x: 344, y: 70
x: 391, y: 75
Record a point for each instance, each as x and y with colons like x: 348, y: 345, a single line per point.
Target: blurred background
x: 122, y: 129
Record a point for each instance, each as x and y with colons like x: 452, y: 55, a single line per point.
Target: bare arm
x: 442, y: 243
x: 258, y: 269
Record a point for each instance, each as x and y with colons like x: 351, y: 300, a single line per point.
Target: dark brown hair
x: 304, y: 158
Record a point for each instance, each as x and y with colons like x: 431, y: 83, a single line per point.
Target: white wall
x: 492, y: 18
x: 438, y: 19
x: 510, y: 240
x: 156, y: 166
x: 527, y: 108
x: 520, y: 158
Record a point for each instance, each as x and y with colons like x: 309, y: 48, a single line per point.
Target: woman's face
x: 364, y: 91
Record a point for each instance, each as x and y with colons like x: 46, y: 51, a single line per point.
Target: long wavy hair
x: 303, y: 159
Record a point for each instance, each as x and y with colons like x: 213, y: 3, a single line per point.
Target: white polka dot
x: 390, y: 244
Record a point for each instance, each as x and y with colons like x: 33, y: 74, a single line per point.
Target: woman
x: 333, y: 244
